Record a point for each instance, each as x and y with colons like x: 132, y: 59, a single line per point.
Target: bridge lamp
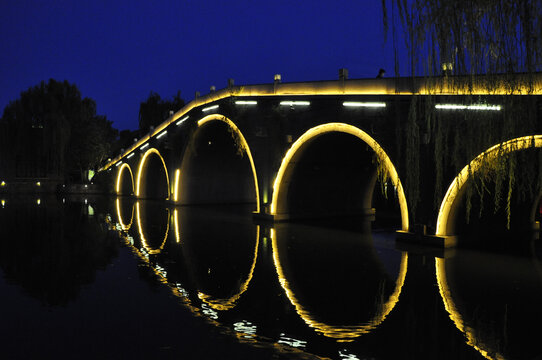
x: 210, y: 108
x: 246, y: 102
x: 364, y: 104
x: 482, y: 107
x: 118, y: 164
x: 162, y: 134
x: 182, y: 120
x: 144, y: 146
x: 295, y: 103
x: 129, y: 156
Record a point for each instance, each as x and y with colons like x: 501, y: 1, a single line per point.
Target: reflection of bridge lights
x: 246, y: 102
x: 182, y: 120
x: 246, y: 328
x: 162, y: 134
x: 347, y: 356
x: 468, y: 107
x: 295, y: 103
x: 210, y: 108
x: 209, y: 312
x: 182, y: 290
x: 301, y: 344
x: 364, y: 104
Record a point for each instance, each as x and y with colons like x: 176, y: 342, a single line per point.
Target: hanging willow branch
x: 490, y: 45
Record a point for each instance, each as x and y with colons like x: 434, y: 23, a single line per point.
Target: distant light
x: 129, y: 156
x: 246, y: 102
x: 182, y: 120
x: 119, y: 163
x: 295, y: 103
x: 38, y: 201
x: 3, y: 203
x: 210, y: 108
x: 38, y: 183
x: 144, y: 146
x: 86, y: 186
x: 468, y: 107
x: 3, y: 183
x: 162, y: 134
x: 364, y: 104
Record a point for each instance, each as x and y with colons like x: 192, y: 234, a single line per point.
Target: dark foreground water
x: 113, y: 279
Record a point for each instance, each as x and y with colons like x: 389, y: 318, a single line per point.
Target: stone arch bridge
x: 311, y: 150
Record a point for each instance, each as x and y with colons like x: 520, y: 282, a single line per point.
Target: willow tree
x: 470, y: 47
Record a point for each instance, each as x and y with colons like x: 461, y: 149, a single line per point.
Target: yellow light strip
x: 455, y: 315
x: 389, y: 86
x: 349, y: 129
x: 456, y: 186
x: 140, y: 170
x: 119, y: 216
x: 119, y: 177
x: 332, y: 331
x: 176, y: 185
x: 229, y: 303
x: 176, y: 224
x: 244, y: 144
x: 144, y: 242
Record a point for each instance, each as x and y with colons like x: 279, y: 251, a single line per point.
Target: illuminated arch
x: 144, y: 242
x: 455, y: 315
x: 244, y: 144
x: 119, y: 177
x: 449, y: 202
x: 119, y: 216
x: 352, y: 130
x: 340, y: 333
x: 141, y: 166
x: 229, y: 303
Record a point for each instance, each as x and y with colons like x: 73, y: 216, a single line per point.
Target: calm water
x: 106, y: 278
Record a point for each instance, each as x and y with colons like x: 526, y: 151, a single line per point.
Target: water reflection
x: 339, y: 285
x: 495, y: 301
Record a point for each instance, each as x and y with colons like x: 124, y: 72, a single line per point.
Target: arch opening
x: 217, y: 166
x: 452, y: 216
x: 125, y: 180
x: 152, y: 176
x: 331, y: 172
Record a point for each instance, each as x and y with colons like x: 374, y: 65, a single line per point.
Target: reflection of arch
x: 340, y: 333
x: 141, y: 166
x: 142, y: 236
x: 243, y: 144
x: 119, y: 216
x: 352, y: 130
x: 226, y: 304
x: 449, y: 203
x: 456, y: 317
x: 119, y: 177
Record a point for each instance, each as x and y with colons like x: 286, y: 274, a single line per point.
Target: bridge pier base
x: 420, y: 237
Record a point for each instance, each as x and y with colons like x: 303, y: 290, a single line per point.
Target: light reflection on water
x: 288, y: 291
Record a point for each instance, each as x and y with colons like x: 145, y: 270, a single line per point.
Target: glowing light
x: 38, y: 201
x: 246, y: 102
x: 144, y: 146
x: 142, y: 165
x: 119, y: 216
x: 3, y: 183
x: 468, y: 107
x: 349, y: 129
x: 364, y: 104
x: 162, y: 134
x: 118, y: 164
x: 176, y: 185
x: 38, y: 183
x: 176, y: 224
x: 144, y: 242
x: 456, y: 187
x: 3, y: 202
x: 332, y: 331
x: 182, y: 120
x: 130, y: 156
x: 295, y: 103
x: 210, y: 108
x: 244, y: 145
x: 119, y: 177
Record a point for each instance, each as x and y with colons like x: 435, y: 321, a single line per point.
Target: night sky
x: 116, y: 52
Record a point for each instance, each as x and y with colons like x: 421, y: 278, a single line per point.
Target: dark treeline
x: 52, y: 132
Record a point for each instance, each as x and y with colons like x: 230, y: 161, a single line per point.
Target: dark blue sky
x: 116, y: 52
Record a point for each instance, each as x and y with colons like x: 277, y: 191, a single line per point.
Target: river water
x: 106, y: 278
